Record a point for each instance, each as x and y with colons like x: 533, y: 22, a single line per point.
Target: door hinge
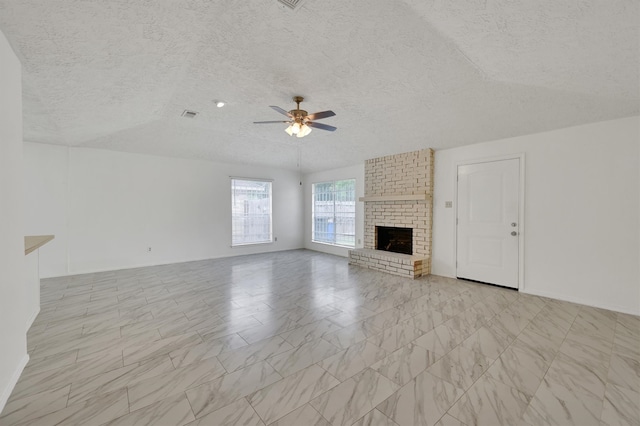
x: 456, y: 220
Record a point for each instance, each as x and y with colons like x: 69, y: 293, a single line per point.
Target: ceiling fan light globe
x: 304, y: 131
x: 289, y: 130
x: 295, y: 128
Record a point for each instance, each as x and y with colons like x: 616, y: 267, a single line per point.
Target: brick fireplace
x: 398, y: 191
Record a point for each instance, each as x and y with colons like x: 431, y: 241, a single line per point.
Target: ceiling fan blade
x: 321, y: 126
x: 318, y: 115
x: 280, y: 110
x: 268, y: 122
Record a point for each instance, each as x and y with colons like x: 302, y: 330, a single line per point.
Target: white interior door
x: 487, y: 222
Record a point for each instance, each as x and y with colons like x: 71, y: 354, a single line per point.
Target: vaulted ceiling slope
x: 400, y: 74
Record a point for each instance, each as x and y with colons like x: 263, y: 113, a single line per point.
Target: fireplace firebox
x: 397, y: 240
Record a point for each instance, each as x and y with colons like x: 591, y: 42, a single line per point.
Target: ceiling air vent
x: 292, y: 4
x: 189, y: 114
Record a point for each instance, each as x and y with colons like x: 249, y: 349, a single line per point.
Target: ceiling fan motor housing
x: 298, y: 114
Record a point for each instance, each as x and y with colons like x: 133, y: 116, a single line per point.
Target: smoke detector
x: 189, y: 114
x: 292, y: 4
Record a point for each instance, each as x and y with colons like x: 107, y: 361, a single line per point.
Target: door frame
x: 521, y: 204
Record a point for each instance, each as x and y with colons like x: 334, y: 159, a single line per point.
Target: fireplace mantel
x: 409, y: 197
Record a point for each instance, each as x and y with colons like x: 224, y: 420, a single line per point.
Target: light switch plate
x: 448, y: 204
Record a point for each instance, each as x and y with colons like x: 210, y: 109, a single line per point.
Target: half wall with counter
x: 32, y: 245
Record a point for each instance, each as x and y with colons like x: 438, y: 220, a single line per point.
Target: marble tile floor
x: 302, y: 338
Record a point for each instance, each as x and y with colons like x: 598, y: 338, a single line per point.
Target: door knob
x: 514, y: 233
x: 514, y: 224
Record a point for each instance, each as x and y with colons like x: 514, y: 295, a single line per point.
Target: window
x: 334, y: 213
x: 250, y: 211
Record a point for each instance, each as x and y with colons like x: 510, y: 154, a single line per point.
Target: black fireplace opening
x: 397, y: 240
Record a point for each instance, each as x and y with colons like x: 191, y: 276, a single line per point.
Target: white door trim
x: 521, y: 205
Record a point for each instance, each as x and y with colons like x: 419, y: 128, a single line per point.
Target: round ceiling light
x: 219, y: 104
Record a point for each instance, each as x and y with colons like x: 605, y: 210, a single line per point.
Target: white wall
x: 45, y: 194
x: 13, y: 313
x: 119, y: 204
x: 581, y: 211
x: 352, y: 172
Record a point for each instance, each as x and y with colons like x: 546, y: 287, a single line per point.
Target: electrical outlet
x: 149, y: 249
x: 448, y: 204
x: 275, y: 239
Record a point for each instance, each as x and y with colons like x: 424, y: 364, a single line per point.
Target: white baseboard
x: 580, y: 301
x: 329, y: 249
x: 572, y: 299
x: 6, y: 392
x: 162, y: 262
x: 32, y: 318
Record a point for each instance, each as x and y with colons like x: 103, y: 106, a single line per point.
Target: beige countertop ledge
x: 34, y: 242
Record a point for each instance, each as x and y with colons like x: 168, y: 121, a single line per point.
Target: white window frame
x: 235, y: 216
x: 314, y: 238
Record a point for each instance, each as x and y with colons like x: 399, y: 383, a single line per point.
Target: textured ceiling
x: 400, y: 74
